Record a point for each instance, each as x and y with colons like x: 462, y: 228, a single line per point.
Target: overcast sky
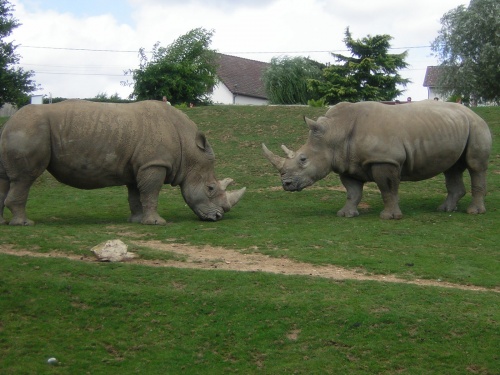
x: 79, y: 49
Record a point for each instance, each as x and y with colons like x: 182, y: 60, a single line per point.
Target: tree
x: 104, y: 98
x: 371, y: 73
x: 286, y: 80
x: 15, y: 83
x: 468, y: 46
x: 184, y: 72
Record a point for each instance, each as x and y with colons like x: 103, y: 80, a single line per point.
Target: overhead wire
x: 136, y: 51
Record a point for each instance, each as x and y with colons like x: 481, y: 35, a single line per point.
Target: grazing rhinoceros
x: 93, y: 145
x: 387, y: 144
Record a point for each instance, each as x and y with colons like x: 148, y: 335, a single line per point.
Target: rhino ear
x: 202, y: 143
x: 316, y: 128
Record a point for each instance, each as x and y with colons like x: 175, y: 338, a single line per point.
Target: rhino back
x: 423, y: 138
x: 94, y: 145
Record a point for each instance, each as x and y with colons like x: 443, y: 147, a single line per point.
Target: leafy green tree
x: 468, y: 46
x: 370, y: 73
x: 184, y: 72
x: 15, y: 83
x: 286, y: 80
x: 103, y: 97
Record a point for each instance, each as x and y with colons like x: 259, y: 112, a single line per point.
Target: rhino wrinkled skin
x: 386, y: 144
x: 89, y: 145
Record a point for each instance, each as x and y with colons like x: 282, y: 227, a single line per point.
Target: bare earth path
x: 211, y: 258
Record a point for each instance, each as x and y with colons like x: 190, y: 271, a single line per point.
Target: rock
x: 112, y: 251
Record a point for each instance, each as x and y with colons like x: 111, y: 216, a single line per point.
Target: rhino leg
x: 149, y: 183
x: 16, y: 199
x: 4, y: 189
x: 25, y: 157
x: 455, y: 187
x: 386, y: 176
x: 354, y: 194
x: 478, y: 187
x: 134, y: 201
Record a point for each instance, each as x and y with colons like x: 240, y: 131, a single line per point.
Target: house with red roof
x: 431, y: 80
x: 239, y: 81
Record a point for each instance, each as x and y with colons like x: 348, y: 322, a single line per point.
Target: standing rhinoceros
x: 93, y: 145
x: 387, y: 144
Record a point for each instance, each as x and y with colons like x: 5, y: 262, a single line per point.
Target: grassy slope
x: 304, y: 226
x: 453, y: 247
x: 122, y: 318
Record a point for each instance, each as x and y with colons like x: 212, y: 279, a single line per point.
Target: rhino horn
x: 288, y: 152
x: 275, y: 160
x: 233, y: 197
x: 225, y: 183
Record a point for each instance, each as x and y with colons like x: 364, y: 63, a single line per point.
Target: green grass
x: 125, y: 318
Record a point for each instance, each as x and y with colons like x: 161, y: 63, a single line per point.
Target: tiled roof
x: 431, y: 76
x: 242, y: 76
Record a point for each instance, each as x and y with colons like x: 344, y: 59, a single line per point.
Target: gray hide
x: 94, y: 145
x: 387, y: 144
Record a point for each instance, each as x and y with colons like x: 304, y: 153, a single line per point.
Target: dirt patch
x: 219, y: 258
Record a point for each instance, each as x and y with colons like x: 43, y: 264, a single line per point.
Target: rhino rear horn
x: 288, y: 152
x: 225, y: 183
x: 275, y: 160
x: 233, y: 197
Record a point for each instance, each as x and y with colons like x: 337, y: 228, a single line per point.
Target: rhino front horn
x: 233, y: 197
x: 275, y: 160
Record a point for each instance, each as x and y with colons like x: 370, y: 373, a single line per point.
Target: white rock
x: 112, y: 251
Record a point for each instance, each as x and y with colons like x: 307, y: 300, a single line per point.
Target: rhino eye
x: 211, y: 189
x: 302, y: 159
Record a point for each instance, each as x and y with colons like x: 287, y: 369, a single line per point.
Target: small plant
x: 316, y: 103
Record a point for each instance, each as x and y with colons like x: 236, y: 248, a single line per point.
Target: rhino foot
x: 447, y: 208
x: 22, y: 222
x: 135, y: 218
x: 474, y: 210
x: 347, y: 213
x: 389, y: 215
x: 153, y: 220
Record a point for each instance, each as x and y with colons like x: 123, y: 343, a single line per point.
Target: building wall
x: 432, y: 93
x: 222, y: 95
x: 37, y: 99
x: 248, y: 100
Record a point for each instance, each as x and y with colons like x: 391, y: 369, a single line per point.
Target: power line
x: 79, y: 49
x: 320, y: 51
x: 82, y: 74
x: 125, y: 75
x: 129, y: 51
x: 234, y: 52
x: 75, y: 66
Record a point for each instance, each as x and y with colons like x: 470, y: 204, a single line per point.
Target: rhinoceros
x: 386, y: 144
x: 89, y: 145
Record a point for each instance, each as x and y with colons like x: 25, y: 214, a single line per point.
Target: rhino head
x: 310, y: 163
x: 203, y: 193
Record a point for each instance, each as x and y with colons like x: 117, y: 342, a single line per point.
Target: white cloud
x: 240, y: 26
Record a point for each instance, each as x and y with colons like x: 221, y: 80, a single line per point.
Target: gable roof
x: 431, y: 76
x: 242, y: 76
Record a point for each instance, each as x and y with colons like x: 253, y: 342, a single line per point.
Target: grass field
x: 102, y: 318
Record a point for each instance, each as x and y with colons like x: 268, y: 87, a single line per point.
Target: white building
x: 239, y: 81
x: 430, y: 81
x: 37, y: 99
